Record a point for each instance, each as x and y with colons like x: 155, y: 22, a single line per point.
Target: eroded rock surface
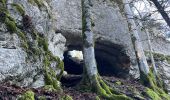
x: 59, y: 21
x: 21, y: 54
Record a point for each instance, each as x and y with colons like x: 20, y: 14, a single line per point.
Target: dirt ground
x: 131, y: 88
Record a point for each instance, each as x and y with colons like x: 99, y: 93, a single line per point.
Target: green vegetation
x: 159, y: 56
x: 29, y: 95
x: 106, y: 92
x: 3, y: 2
x: 41, y: 98
x: 156, y: 90
x: 11, y: 26
x: 38, y: 3
x: 19, y: 8
x: 97, y: 98
x: 118, y: 83
x: 40, y: 49
x: 152, y: 94
x: 50, y: 88
x: 157, y: 94
x: 66, y: 97
x: 50, y: 76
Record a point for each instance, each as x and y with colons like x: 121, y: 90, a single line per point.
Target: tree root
x: 105, y: 91
x: 156, y: 87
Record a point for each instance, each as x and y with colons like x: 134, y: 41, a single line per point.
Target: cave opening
x: 111, y: 60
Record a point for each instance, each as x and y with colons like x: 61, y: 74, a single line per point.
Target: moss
x: 168, y: 59
x: 155, y: 90
x: 158, y: 56
x: 152, y: 94
x: 29, y: 95
x: 31, y: 1
x: 66, y: 97
x: 50, y: 88
x: 3, y: 2
x: 118, y: 83
x: 19, y: 8
x: 97, y: 98
x: 105, y: 91
x: 24, y: 40
x: 21, y: 35
x: 165, y: 96
x: 50, y: 75
x: 42, y: 98
x: 61, y: 67
x: 39, y: 3
x: 43, y: 42
x: 11, y: 26
x: 150, y: 80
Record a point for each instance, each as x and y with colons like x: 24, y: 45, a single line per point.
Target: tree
x: 90, y: 68
x: 162, y: 11
x: 146, y: 75
x: 141, y: 59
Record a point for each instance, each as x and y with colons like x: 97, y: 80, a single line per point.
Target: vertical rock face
x: 164, y: 71
x: 57, y: 21
x: 12, y: 62
x: 108, y: 21
x: 52, y: 20
x: 23, y: 52
x: 159, y: 43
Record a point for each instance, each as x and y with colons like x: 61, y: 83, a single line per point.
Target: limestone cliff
x: 55, y: 26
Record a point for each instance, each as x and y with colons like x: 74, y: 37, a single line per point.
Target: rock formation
x: 59, y: 22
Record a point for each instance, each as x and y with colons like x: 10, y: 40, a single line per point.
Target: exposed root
x: 155, y: 87
x: 105, y: 91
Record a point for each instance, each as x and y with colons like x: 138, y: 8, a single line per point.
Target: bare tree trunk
x: 90, y: 67
x: 141, y: 59
x: 88, y: 41
x: 146, y: 75
x: 150, y: 49
x: 162, y: 11
x: 150, y: 52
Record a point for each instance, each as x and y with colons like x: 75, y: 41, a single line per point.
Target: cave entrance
x: 111, y: 60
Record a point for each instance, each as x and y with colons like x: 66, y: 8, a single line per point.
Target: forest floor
x: 131, y: 88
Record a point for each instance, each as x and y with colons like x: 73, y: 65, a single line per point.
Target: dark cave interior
x: 111, y: 61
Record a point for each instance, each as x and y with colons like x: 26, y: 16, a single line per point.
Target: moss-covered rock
x: 29, y: 95
x: 66, y: 97
x: 50, y: 88
x: 39, y: 3
x: 50, y: 75
x: 158, y: 56
x: 3, y: 2
x: 97, y: 98
x: 152, y: 94
x: 19, y: 8
x: 155, y: 95
x: 36, y: 50
x: 11, y: 25
x: 41, y: 98
x: 118, y: 83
